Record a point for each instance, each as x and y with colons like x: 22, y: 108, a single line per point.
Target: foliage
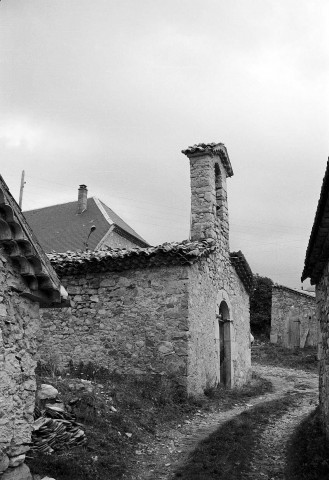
x: 260, y: 306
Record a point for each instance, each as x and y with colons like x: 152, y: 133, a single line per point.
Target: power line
x: 173, y: 212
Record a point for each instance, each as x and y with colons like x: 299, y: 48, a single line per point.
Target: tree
x: 260, y: 306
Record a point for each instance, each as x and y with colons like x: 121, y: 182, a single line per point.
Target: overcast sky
x: 108, y: 93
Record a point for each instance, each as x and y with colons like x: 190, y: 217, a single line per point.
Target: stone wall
x: 322, y: 302
x: 293, y: 318
x: 19, y: 322
x: 210, y: 286
x: 131, y: 322
x: 160, y: 320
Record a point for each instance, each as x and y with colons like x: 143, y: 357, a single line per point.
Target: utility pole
x: 21, y: 190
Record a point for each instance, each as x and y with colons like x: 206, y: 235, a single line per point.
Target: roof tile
x: 243, y: 270
x: 114, y: 259
x: 211, y: 149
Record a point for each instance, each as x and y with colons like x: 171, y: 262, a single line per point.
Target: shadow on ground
x: 226, y: 454
x: 308, y: 451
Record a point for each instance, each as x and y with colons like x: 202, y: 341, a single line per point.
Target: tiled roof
x: 317, y: 254
x: 20, y: 244
x: 60, y: 228
x: 115, y: 259
x: 243, y: 270
x: 294, y: 290
x: 211, y: 149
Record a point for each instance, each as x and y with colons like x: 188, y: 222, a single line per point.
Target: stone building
x: 27, y: 282
x: 85, y: 223
x: 293, y: 317
x: 317, y: 269
x: 179, y: 308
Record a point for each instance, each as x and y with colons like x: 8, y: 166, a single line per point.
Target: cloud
x: 19, y: 133
x: 107, y: 93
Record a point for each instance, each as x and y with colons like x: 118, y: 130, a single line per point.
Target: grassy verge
x: 225, y: 399
x: 308, y: 451
x: 118, y: 412
x: 226, y: 454
x: 265, y: 353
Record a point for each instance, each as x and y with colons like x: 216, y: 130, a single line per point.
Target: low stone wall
x: 131, y: 322
x: 19, y: 322
x: 293, y: 318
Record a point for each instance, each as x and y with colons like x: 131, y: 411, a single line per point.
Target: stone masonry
x: 159, y: 309
x: 322, y: 300
x: 131, y: 322
x: 293, y: 318
x: 27, y: 281
x: 19, y: 322
x: 316, y: 268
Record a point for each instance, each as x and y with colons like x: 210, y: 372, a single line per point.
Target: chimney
x: 82, y: 199
x: 209, y: 168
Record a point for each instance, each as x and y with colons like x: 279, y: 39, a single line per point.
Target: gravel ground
x: 171, y: 448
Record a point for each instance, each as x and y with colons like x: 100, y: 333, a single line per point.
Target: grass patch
x: 227, y: 452
x: 225, y: 399
x: 265, y: 353
x: 308, y: 451
x: 117, y: 411
x: 111, y: 405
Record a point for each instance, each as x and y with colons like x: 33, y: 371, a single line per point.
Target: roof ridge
x: 185, y: 252
x: 295, y: 290
x: 99, y: 204
x: 51, y: 206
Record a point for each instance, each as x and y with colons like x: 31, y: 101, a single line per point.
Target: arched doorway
x: 224, y: 325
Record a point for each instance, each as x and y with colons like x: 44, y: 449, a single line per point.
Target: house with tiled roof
x: 179, y: 309
x: 27, y: 282
x: 85, y: 223
x: 316, y: 268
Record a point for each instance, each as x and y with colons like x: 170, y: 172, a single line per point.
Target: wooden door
x: 294, y: 329
x: 222, y: 355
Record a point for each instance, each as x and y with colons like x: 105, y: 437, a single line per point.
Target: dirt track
x: 171, y: 449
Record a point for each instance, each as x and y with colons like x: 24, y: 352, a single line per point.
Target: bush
x: 260, y: 306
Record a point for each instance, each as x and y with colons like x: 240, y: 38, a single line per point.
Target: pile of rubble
x: 55, y: 429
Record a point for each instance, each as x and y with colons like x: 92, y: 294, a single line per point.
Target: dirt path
x: 171, y: 449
